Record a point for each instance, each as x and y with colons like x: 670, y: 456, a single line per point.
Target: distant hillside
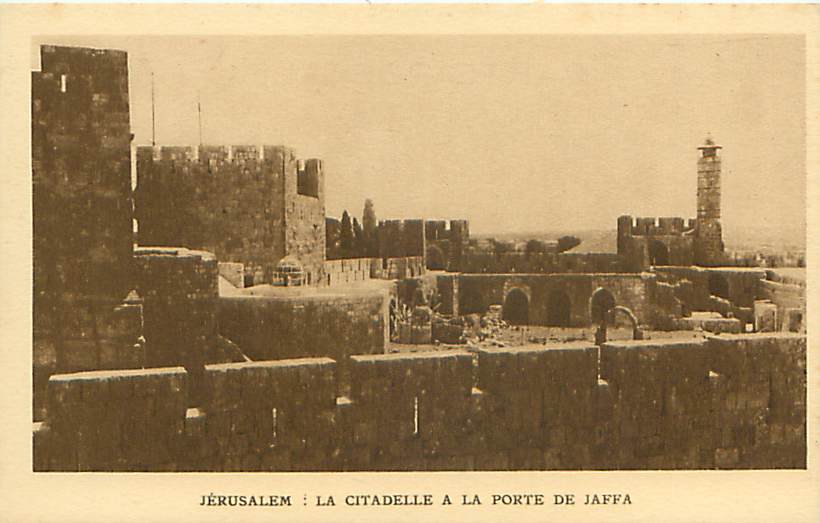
x: 766, y: 239
x: 737, y: 239
x: 591, y: 240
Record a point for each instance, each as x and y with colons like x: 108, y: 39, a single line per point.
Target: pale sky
x: 515, y: 133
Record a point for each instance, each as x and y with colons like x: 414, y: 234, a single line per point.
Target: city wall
x: 350, y: 270
x: 248, y: 204
x: 557, y: 299
x: 729, y: 401
x: 401, y: 238
x: 645, y: 242
x: 481, y: 261
x: 790, y: 302
x: 267, y: 328
x: 740, y: 287
x: 82, y: 240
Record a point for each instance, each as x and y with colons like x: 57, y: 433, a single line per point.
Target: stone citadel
x: 195, y: 322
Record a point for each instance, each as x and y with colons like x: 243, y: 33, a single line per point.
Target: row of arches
x: 559, y: 307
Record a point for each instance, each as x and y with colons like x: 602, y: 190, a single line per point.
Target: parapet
x: 208, y: 154
x: 79, y: 60
x: 654, y: 226
x: 555, y: 407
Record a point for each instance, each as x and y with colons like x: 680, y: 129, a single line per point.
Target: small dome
x: 289, y: 271
x: 289, y: 264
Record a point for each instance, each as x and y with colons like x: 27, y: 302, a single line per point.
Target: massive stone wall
x: 557, y: 299
x: 81, y: 202
x: 113, y: 420
x: 336, y: 326
x: 477, y: 260
x: 305, y: 219
x: 179, y: 288
x: 645, y: 242
x: 790, y: 302
x: 730, y: 401
x: 402, y: 238
x: 740, y: 286
x: 240, y: 202
x: 351, y: 270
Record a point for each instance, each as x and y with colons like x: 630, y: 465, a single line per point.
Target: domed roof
x: 289, y: 264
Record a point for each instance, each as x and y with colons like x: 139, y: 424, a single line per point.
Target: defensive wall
x: 269, y: 327
x: 350, y: 270
x: 727, y: 290
x: 82, y: 234
x: 477, y: 260
x: 645, y: 242
x: 789, y: 299
x: 445, y: 245
x: 248, y: 204
x: 556, y: 299
x: 401, y: 238
x: 728, y: 401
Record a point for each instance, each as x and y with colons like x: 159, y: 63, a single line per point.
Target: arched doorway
x: 516, y: 310
x: 558, y: 309
x: 435, y: 258
x: 601, y: 303
x: 658, y: 253
x: 718, y: 285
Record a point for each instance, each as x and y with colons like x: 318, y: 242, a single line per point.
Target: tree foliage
x: 566, y: 243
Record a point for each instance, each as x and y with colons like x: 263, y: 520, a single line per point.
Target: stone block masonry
x: 557, y: 299
x: 247, y: 204
x: 336, y: 326
x: 539, y: 406
x: 410, y: 412
x: 81, y: 202
x: 115, y: 420
x: 267, y: 415
x: 735, y: 401
x: 179, y: 288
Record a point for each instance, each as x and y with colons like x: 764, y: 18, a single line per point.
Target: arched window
x: 718, y: 285
x: 601, y: 303
x: 516, y: 310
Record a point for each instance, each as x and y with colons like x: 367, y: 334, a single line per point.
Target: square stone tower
x: 249, y: 204
x: 708, y: 232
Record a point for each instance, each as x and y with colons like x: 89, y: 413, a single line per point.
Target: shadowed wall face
x: 243, y: 203
x: 81, y: 162
x: 82, y: 223
x: 732, y: 402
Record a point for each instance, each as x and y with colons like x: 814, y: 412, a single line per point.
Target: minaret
x: 709, y: 236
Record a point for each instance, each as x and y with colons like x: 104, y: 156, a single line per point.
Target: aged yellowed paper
x: 396, y: 263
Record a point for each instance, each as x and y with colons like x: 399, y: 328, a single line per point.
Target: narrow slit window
x: 416, y: 416
x: 274, y: 423
x: 62, y: 83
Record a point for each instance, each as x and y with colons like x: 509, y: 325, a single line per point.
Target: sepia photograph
x: 405, y: 263
x: 458, y: 253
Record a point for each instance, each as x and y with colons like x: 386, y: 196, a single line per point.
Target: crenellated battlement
x: 249, y: 204
x: 402, y: 238
x: 655, y: 226
x: 548, y: 407
x: 223, y: 154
